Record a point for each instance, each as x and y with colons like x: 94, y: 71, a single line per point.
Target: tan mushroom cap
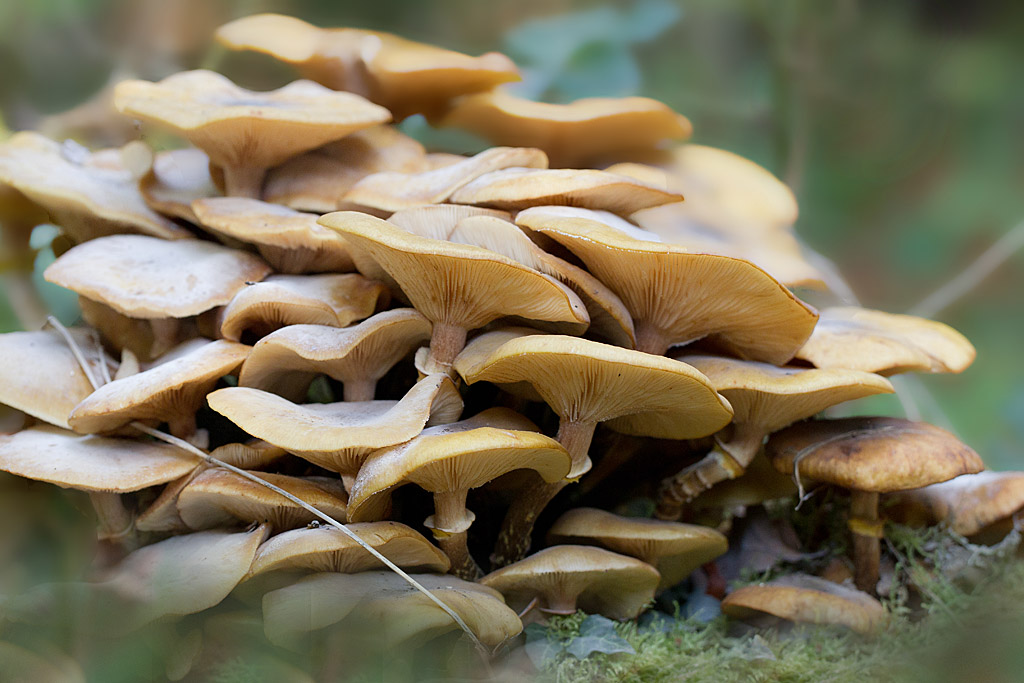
x: 389, y: 191
x: 223, y: 119
x: 176, y: 179
x: 290, y: 241
x: 439, y: 221
x: 571, y: 577
x: 773, y: 397
x: 586, y: 381
x: 317, y: 180
x: 162, y: 513
x: 146, y: 277
x: 282, y: 300
x: 218, y: 496
x: 804, y: 598
x: 251, y: 455
x: 91, y: 463
x: 321, y: 600
x: 339, y: 436
x: 972, y: 502
x: 676, y: 297
x: 674, y: 549
x: 457, y: 457
x: 286, y: 361
x: 405, y: 76
x: 886, y: 343
x: 40, y: 375
x: 514, y: 189
x: 169, y: 392
x: 85, y: 197
x: 881, y: 454
x: 575, y: 134
x: 326, y: 549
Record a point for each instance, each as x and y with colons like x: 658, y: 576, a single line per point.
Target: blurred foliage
x: 896, y: 123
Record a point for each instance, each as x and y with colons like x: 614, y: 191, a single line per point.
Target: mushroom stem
x: 446, y: 342
x: 576, y: 437
x: 450, y: 526
x: 165, y: 335
x: 362, y: 389
x: 650, y: 339
x: 243, y: 181
x: 182, y: 426
x: 726, y: 460
x: 25, y: 301
x: 866, y: 539
x: 557, y: 602
x: 116, y: 525
x: 514, y: 538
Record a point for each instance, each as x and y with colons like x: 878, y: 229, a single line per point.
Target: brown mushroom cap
x: 218, y: 496
x: 514, y: 189
x: 575, y: 134
x: 146, y: 277
x: 803, y: 598
x: 969, y: 503
x: 326, y: 549
x: 674, y: 549
x: 676, y: 297
x: 91, y: 463
x: 286, y: 361
x: 176, y: 178
x: 881, y: 454
x: 282, y: 300
x: 339, y: 436
x: 87, y: 199
x: 321, y: 600
x: 290, y: 241
x: 252, y: 455
x: 170, y: 391
x: 40, y: 375
x: 405, y: 76
x: 567, y: 577
x: 886, y: 343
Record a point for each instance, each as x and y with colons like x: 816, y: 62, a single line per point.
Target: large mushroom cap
x: 879, y: 454
x: 969, y: 503
x: 326, y: 549
x: 675, y: 296
x: 91, y: 463
x: 803, y: 598
x: 146, y: 277
x: 339, y: 436
x: 674, y: 549
x: 886, y: 343
x: 567, y: 577
x: 575, y: 134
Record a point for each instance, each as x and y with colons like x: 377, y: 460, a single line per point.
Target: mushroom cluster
x: 498, y: 352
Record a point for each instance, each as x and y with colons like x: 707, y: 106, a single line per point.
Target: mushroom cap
x: 146, y: 277
x: 176, y: 178
x: 282, y: 300
x: 804, y: 598
x: 286, y: 361
x: 91, y: 463
x: 218, y: 496
x: 457, y: 457
x: 457, y: 284
x: 405, y: 76
x: 223, y: 119
x: 673, y: 548
x: 886, y: 343
x: 146, y: 339
x: 880, y: 454
x: 567, y: 577
x: 171, y: 389
x: 321, y: 600
x: 682, y: 296
x: 970, y: 502
x: 249, y: 456
x: 326, y: 549
x: 389, y: 191
x: 290, y: 241
x: 85, y: 197
x: 586, y: 381
x: 514, y: 189
x: 338, y: 436
x: 40, y: 375
x: 574, y: 134
x: 772, y: 397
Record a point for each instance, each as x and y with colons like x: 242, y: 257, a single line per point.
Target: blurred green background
x: 898, y: 124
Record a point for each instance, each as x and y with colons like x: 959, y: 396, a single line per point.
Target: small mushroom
x: 981, y: 506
